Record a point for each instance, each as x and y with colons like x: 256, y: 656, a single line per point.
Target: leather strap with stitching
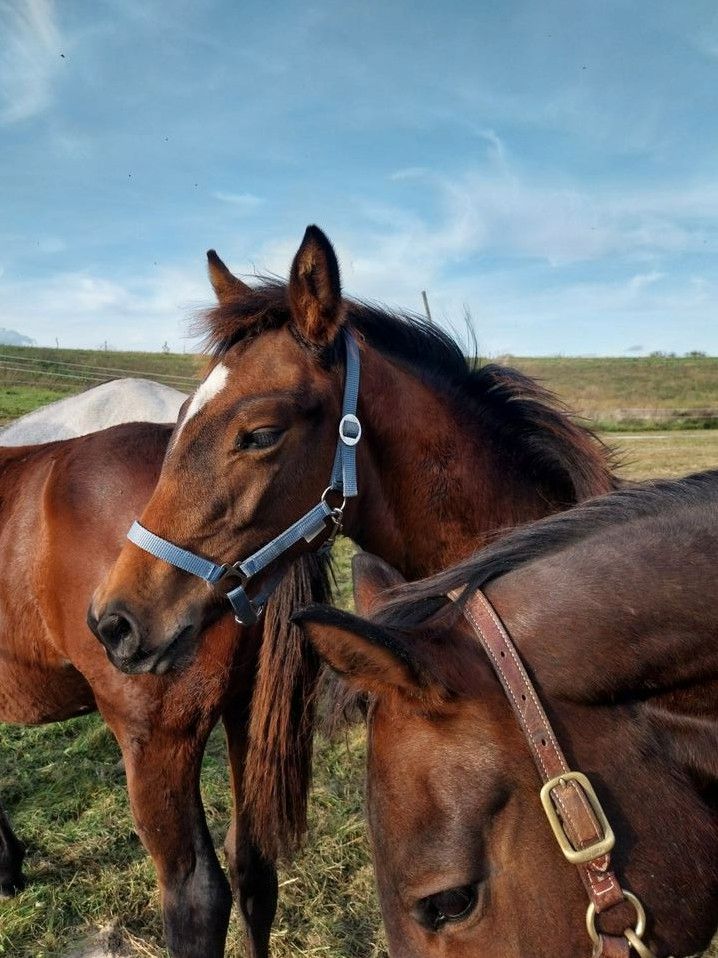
x: 577, y: 816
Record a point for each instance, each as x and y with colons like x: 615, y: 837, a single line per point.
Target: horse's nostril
x: 117, y: 632
x: 114, y: 629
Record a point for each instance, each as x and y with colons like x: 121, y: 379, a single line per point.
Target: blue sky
x: 551, y: 167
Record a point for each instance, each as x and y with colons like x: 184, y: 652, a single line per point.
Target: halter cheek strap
x: 568, y: 798
x: 343, y: 482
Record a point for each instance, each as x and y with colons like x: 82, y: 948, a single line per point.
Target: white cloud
x: 543, y: 265
x: 642, y: 280
x: 245, y: 201
x: 511, y: 214
x: 590, y: 316
x: 29, y: 58
x: 82, y: 309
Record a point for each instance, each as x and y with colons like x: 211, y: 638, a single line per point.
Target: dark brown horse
x: 612, y: 607
x: 64, y: 510
x: 451, y: 452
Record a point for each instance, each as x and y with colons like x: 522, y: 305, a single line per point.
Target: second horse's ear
x: 364, y: 655
x: 225, y: 284
x: 315, y: 293
x: 372, y: 577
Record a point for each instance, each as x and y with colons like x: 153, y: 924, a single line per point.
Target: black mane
x: 524, y: 420
x: 415, y: 602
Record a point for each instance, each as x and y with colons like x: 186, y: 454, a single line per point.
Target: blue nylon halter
x: 343, y: 481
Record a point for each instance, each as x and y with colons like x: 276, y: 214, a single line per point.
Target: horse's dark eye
x: 259, y: 438
x: 455, y: 904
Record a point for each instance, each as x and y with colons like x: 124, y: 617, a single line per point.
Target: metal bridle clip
x: 338, y: 511
x: 349, y: 429
x: 245, y: 611
x: 634, y: 936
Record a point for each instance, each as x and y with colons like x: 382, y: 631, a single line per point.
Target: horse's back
x: 103, y: 406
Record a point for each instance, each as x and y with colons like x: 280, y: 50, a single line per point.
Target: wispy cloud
x: 84, y: 308
x: 642, y: 280
x: 502, y: 211
x: 243, y: 201
x: 30, y: 57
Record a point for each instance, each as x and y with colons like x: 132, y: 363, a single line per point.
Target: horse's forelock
x: 243, y: 315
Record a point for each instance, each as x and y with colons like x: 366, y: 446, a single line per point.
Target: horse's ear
x: 372, y: 578
x: 225, y: 284
x: 315, y: 293
x: 364, y: 655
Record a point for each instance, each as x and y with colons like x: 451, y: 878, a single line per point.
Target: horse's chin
x: 174, y: 656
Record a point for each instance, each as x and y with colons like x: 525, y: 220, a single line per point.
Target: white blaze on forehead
x: 212, y: 386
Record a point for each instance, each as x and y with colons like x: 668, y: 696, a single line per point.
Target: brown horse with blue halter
x: 448, y: 453
x: 451, y: 453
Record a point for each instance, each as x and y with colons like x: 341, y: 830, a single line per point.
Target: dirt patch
x: 108, y: 942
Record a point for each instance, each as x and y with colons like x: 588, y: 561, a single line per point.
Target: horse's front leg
x: 12, y: 852
x: 254, y: 878
x: 163, y: 773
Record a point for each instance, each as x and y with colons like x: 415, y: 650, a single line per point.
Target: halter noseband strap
x: 569, y: 801
x: 343, y: 482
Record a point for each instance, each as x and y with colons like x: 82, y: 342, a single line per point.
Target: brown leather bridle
x: 568, y: 798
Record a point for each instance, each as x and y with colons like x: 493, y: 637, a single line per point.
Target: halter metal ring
x: 636, y: 932
x: 635, y: 942
x: 349, y: 438
x: 339, y: 509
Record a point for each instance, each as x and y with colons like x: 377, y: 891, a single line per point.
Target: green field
x: 616, y: 393
x: 623, y: 393
x: 32, y: 376
x: 63, y: 788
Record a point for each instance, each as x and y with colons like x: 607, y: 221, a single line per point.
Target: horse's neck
x: 620, y: 613
x: 597, y: 626
x: 433, y: 484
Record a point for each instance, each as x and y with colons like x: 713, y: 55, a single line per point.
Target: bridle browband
x: 343, y: 483
x: 568, y: 798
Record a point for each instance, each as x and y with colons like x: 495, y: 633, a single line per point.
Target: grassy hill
x: 33, y: 376
x: 651, y: 392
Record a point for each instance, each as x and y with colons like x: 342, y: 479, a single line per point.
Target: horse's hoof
x: 8, y: 889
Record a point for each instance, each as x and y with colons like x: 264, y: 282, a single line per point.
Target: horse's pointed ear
x: 225, y: 284
x: 372, y: 578
x: 368, y: 658
x: 315, y: 293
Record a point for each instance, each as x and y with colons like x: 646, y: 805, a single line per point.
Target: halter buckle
x: 577, y: 856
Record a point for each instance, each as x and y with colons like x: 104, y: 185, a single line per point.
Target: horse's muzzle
x: 122, y: 638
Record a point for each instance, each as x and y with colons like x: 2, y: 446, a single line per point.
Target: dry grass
x: 591, y: 386
x: 653, y: 455
x: 605, y: 389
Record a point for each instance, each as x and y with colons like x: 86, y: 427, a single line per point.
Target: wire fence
x: 65, y: 376
x: 73, y: 376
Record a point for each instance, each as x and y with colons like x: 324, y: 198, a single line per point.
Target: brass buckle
x: 577, y: 856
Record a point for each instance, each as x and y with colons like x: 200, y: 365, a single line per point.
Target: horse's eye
x: 455, y: 904
x: 259, y: 438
